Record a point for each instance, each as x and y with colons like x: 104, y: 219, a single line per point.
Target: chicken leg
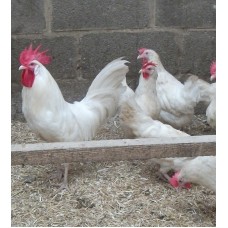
x: 64, y: 184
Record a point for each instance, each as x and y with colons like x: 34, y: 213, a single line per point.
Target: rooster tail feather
x: 111, y: 76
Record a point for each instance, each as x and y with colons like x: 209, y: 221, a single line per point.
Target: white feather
x: 177, y: 103
x: 167, y: 164
x: 140, y: 125
x: 200, y: 170
x: 49, y: 115
x: 211, y: 109
x: 146, y: 95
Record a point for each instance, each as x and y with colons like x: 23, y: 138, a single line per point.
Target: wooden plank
x: 112, y: 150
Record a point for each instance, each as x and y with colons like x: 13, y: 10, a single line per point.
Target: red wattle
x: 27, y: 78
x: 145, y: 75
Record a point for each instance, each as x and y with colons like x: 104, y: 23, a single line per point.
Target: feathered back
x: 200, y: 170
x: 28, y: 55
x: 196, y: 89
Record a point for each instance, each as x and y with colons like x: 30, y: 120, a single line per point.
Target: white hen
x: 137, y: 124
x: 211, y: 109
x: 199, y: 88
x: 203, y: 91
x: 177, y: 103
x: 200, y: 170
x: 54, y: 119
x: 146, y: 93
x: 135, y: 114
x: 167, y: 164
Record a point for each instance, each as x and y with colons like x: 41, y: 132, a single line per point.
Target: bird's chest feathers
x: 38, y: 104
x: 147, y: 86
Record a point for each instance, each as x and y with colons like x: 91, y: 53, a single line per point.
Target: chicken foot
x: 64, y: 184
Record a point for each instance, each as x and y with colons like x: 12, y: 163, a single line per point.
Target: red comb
x: 174, y: 181
x: 141, y: 50
x: 213, y: 68
x: 150, y: 63
x: 28, y: 55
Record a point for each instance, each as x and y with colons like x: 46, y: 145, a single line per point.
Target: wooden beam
x: 112, y: 150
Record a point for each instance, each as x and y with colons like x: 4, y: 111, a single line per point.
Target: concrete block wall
x: 84, y: 35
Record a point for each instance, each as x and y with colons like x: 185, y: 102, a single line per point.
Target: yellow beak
x: 22, y: 67
x: 139, y: 57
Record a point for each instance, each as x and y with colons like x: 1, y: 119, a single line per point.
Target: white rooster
x: 138, y: 123
x: 200, y: 170
x: 54, y: 119
x: 177, y: 103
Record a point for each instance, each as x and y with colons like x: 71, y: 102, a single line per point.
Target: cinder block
x: 199, y: 49
x: 186, y: 14
x: 27, y: 16
x: 62, y: 49
x: 99, y: 49
x: 97, y: 14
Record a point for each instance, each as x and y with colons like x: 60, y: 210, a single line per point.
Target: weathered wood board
x: 112, y: 150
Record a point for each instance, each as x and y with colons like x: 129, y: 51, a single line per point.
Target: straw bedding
x: 106, y: 193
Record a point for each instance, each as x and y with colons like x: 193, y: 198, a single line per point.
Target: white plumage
x: 54, y: 119
x: 146, y: 93
x: 138, y: 114
x: 211, y: 113
x: 200, y: 170
x: 203, y: 91
x: 48, y: 114
x: 211, y: 109
x: 177, y: 103
x: 136, y: 123
x: 167, y: 164
x: 128, y: 93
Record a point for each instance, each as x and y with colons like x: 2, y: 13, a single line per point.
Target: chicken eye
x: 149, y: 68
x: 146, y: 53
x: 32, y: 64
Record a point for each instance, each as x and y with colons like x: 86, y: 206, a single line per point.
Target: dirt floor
x: 106, y: 194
